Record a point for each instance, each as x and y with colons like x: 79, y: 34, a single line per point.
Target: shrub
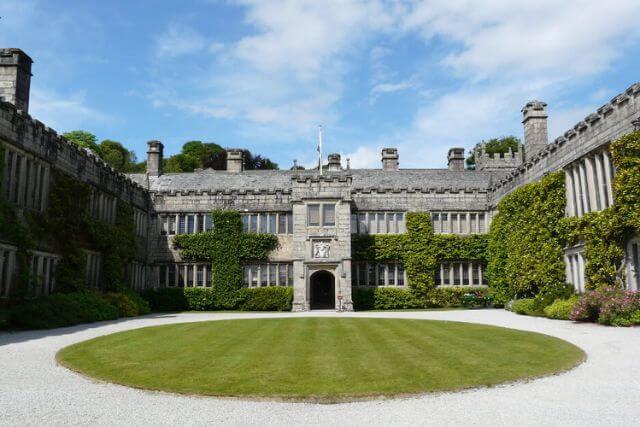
x: 455, y: 296
x: 271, y: 298
x: 126, y: 306
x: 526, y: 306
x: 141, y: 303
x: 166, y: 299
x: 59, y: 310
x: 621, y: 308
x: 561, y: 308
x: 384, y: 299
x: 200, y: 299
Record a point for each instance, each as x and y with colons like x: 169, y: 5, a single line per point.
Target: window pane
x: 163, y: 275
x: 314, y: 215
x: 381, y: 224
x: 289, y: 223
x: 372, y: 274
x: 245, y: 275
x: 354, y: 224
x: 208, y: 222
x: 282, y: 223
x: 181, y: 226
x: 456, y: 273
x: 282, y: 274
x: 362, y: 223
x: 200, y: 223
x: 362, y: 274
x: 372, y: 228
x: 272, y: 223
x: 190, y: 224
x: 391, y: 274
x: 172, y: 275
x: 400, y: 223
x: 190, y: 275
x: 329, y: 215
x: 438, y: 280
x: 476, y: 274
x: 381, y: 274
x: 290, y: 275
x: 172, y: 224
x: 272, y: 274
x: 400, y: 275
x: 263, y: 274
x: 262, y: 227
x: 391, y: 224
x: 209, y: 276
x: 253, y: 223
x: 200, y: 276
x: 454, y: 223
x: 481, y: 227
x: 446, y: 277
x: 465, y: 274
x: 254, y: 275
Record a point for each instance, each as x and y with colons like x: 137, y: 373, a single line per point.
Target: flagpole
x: 320, y: 147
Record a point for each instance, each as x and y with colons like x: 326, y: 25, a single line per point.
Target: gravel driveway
x: 605, y: 390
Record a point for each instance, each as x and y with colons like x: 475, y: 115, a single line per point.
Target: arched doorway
x: 322, y: 291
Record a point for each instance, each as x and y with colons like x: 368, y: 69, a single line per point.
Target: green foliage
x: 604, y: 233
x: 270, y: 298
x: 497, y: 146
x: 60, y: 310
x: 526, y: 306
x: 385, y: 299
x: 117, y: 156
x: 83, y: 139
x: 198, y: 154
x: 526, y: 241
x: 171, y: 299
x: 458, y: 296
x: 126, y: 306
x: 561, y: 308
x: 226, y: 247
x: 420, y: 250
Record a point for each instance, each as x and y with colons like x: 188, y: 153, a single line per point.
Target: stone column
x: 591, y: 184
x: 608, y: 173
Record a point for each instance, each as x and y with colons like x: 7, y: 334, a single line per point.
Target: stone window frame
x: 633, y: 264
x: 184, y: 275
x: 140, y: 220
x: 174, y: 223
x: 42, y: 278
x: 322, y: 221
x: 575, y: 262
x: 466, y: 222
x: 367, y: 274
x: 25, y: 180
x: 93, y: 269
x: 268, y: 273
x: 136, y: 273
x: 252, y: 222
x: 7, y: 269
x: 102, y: 206
x: 589, y: 183
x: 461, y: 273
x: 361, y: 221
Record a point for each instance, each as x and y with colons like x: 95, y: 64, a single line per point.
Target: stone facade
x: 314, y: 215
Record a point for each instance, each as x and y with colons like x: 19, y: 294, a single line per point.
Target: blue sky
x: 419, y: 75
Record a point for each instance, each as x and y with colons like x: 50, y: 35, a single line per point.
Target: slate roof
x: 211, y: 180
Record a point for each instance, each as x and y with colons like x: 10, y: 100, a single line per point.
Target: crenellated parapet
x: 608, y: 123
x: 20, y: 130
x: 496, y: 161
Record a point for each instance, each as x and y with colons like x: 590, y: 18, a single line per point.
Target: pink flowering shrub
x: 608, y: 306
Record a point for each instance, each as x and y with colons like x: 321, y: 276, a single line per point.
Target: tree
x: 180, y: 163
x: 204, y: 155
x: 116, y: 155
x: 83, y: 139
x: 496, y: 146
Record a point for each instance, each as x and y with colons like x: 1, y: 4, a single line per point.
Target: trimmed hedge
x: 526, y: 306
x: 561, y: 308
x: 270, y: 298
x: 455, y: 296
x: 59, y: 310
x: 384, y: 299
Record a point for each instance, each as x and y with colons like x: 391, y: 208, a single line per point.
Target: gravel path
x: 605, y: 390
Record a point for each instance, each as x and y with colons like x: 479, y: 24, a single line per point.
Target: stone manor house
x: 313, y: 215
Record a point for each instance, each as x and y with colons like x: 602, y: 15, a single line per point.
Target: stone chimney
x: 534, y: 119
x: 15, y: 77
x: 154, y: 158
x: 456, y: 159
x: 390, y: 159
x: 235, y: 160
x: 335, y: 163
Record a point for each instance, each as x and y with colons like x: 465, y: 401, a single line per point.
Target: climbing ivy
x: 420, y: 250
x: 226, y: 246
x: 604, y: 233
x: 526, y: 241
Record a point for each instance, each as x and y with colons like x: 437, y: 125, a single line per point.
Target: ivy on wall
x: 605, y: 233
x: 226, y: 246
x: 526, y: 242
x: 64, y: 229
x: 420, y: 250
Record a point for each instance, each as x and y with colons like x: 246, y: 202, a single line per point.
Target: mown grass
x: 327, y: 359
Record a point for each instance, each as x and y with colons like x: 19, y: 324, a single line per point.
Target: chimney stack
x: 15, y: 77
x: 390, y: 159
x: 335, y: 163
x: 235, y: 160
x: 456, y: 159
x: 154, y: 158
x: 534, y: 119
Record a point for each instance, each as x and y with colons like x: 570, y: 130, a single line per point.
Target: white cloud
x: 363, y: 157
x: 63, y: 112
x: 180, y: 40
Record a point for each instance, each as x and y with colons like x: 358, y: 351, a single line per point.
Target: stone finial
x: 154, y: 158
x: 390, y: 159
x: 235, y: 160
x: 15, y: 77
x: 534, y: 120
x: 455, y: 159
x: 348, y: 163
x: 636, y: 124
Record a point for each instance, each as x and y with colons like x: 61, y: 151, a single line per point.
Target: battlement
x: 18, y: 128
x: 496, y: 161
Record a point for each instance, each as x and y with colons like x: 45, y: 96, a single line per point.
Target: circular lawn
x: 316, y: 358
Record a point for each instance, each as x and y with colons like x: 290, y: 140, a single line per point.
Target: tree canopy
x: 83, y: 139
x: 496, y: 146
